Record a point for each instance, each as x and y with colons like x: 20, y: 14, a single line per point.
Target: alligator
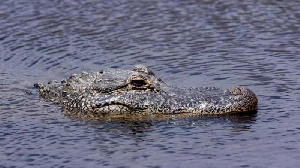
x: 116, y: 92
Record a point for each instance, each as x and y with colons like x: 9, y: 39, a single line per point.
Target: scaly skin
x: 123, y: 92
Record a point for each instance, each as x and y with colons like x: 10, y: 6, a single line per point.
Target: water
x: 186, y: 43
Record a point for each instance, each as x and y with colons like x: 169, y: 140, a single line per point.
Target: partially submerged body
x: 116, y: 92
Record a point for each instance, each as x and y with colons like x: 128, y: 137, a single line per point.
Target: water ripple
x: 186, y: 43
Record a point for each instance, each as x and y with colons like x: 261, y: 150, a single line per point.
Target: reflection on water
x: 186, y: 43
x: 145, y: 124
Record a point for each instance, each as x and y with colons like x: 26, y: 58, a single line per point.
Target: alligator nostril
x: 138, y: 83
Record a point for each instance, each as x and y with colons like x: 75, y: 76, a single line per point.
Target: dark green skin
x: 121, y: 92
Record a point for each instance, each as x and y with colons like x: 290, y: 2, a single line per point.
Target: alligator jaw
x: 116, y: 107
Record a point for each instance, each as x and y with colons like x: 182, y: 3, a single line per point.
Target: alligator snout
x: 247, y: 100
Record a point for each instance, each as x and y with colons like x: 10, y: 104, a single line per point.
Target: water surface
x: 186, y: 43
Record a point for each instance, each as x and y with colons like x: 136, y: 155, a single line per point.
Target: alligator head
x: 139, y: 91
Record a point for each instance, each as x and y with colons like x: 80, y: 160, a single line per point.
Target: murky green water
x: 186, y: 43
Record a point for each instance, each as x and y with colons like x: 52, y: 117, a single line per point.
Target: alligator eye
x: 138, y: 82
